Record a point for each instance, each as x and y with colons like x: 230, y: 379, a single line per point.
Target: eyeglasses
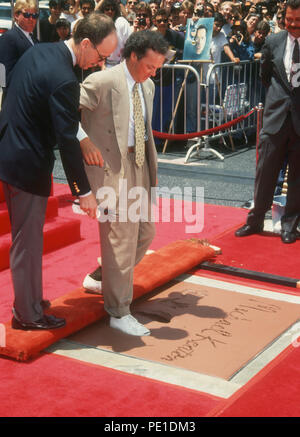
x: 142, y: 15
x: 101, y: 57
x: 162, y: 20
x: 132, y: 3
x: 28, y: 15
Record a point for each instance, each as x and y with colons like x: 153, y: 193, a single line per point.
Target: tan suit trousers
x: 124, y: 243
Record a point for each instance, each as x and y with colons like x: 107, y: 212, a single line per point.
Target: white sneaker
x: 129, y: 325
x: 92, y: 286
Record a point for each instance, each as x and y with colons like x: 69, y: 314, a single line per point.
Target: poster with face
x: 197, y: 39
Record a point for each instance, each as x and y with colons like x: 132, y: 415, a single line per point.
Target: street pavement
x: 228, y: 182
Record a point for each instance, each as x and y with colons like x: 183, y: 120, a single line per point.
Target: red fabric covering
x: 80, y: 309
x: 273, y: 392
x: 58, y: 232
x: 54, y: 386
x: 262, y: 253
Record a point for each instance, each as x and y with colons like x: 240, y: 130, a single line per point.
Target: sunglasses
x: 142, y: 15
x: 109, y: 8
x: 132, y: 3
x: 162, y: 20
x: 28, y: 15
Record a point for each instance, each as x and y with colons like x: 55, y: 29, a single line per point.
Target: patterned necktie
x: 295, y: 59
x: 139, y: 127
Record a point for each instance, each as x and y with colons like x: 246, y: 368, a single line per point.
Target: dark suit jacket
x: 40, y: 111
x: 281, y: 97
x: 13, y: 44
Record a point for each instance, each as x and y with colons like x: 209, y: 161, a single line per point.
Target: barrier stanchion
x: 259, y: 126
x: 205, y: 132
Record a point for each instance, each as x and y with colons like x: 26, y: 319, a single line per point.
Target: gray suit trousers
x: 273, y: 149
x: 27, y: 217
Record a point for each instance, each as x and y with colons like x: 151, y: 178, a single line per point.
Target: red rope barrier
x: 224, y: 126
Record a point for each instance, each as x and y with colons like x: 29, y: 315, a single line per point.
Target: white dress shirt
x: 130, y: 84
x: 287, y: 59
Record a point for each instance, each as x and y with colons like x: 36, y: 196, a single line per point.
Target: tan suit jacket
x: 104, y: 101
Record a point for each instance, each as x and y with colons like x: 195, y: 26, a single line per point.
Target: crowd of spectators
x: 240, y: 29
x: 245, y: 23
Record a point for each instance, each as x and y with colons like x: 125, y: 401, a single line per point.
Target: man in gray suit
x: 280, y: 136
x: 108, y: 117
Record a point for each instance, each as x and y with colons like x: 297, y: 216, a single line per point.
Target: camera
x: 258, y: 9
x: 142, y: 21
x: 238, y: 35
x: 199, y: 12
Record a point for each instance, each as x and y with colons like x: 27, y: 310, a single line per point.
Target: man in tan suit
x: 120, y: 166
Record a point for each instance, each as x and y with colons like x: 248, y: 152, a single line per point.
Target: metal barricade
x: 182, y: 90
x: 231, y: 90
x: 228, y: 91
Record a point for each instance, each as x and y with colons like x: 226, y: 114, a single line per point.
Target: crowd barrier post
x: 260, y: 110
x: 186, y: 69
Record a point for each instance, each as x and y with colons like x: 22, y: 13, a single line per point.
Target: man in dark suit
x: 40, y: 111
x: 17, y: 40
x: 280, y: 136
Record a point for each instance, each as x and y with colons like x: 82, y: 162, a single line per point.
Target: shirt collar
x: 72, y: 53
x: 129, y: 78
x: 292, y: 38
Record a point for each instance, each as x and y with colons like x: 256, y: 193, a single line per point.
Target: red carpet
x: 53, y: 386
x: 274, y: 392
x: 268, y: 254
x: 58, y: 231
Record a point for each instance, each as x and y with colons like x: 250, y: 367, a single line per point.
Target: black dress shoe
x: 248, y: 230
x: 289, y: 237
x: 46, y: 322
x: 45, y: 304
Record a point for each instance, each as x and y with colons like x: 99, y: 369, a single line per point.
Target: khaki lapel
x: 120, y: 108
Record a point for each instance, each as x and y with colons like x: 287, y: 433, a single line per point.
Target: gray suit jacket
x: 104, y: 100
x: 281, y: 97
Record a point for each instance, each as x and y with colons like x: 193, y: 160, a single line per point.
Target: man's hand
x: 88, y: 204
x: 91, y: 154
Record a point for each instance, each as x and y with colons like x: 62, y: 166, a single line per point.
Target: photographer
x: 162, y: 105
x: 219, y: 44
x: 112, y: 9
x: 130, y: 11
x: 70, y: 11
x: 143, y: 19
x: 203, y: 10
x: 228, y: 12
x: 279, y: 21
x: 174, y: 20
x: 240, y: 41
